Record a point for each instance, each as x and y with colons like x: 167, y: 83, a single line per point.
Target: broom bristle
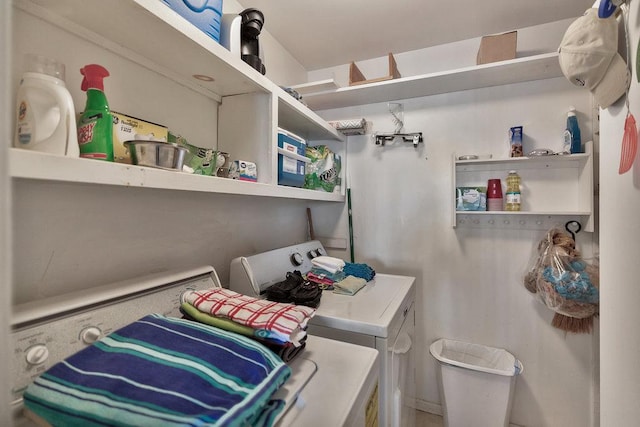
x: 572, y: 324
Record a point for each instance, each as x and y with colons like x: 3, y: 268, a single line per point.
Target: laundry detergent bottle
x: 45, y: 117
x: 95, y: 127
x: 572, y: 134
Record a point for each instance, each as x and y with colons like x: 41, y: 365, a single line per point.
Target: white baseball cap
x: 589, y: 57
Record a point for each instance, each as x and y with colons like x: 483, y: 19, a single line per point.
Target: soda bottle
x: 513, y: 191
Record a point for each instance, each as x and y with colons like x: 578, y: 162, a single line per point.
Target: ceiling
x: 326, y: 33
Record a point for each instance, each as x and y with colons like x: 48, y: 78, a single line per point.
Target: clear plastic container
x: 514, y: 200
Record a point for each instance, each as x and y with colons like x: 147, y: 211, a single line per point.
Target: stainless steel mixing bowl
x: 156, y: 154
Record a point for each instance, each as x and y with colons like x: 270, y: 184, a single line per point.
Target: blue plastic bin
x: 291, y: 159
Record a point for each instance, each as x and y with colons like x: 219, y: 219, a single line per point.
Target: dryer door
x: 403, y: 385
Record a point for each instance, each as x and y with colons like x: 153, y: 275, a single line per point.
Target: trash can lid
x: 476, y: 357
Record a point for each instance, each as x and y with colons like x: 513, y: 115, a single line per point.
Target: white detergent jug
x: 45, y: 119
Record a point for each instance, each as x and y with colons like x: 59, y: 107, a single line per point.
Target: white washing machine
x: 326, y: 374
x: 381, y: 316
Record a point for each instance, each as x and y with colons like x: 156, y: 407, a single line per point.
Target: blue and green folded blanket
x: 162, y: 371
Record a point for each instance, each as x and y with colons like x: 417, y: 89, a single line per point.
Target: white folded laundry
x: 328, y: 263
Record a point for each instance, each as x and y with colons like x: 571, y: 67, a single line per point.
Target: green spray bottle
x: 95, y: 127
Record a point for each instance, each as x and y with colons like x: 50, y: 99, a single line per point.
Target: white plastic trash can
x: 476, y: 383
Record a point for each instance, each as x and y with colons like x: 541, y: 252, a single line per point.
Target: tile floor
x: 425, y: 419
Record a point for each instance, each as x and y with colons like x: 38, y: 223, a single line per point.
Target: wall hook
x: 575, y: 228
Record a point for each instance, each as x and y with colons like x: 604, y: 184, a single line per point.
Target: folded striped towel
x: 331, y: 264
x: 349, y: 286
x: 286, y: 319
x: 229, y: 325
x: 285, y: 350
x: 161, y: 371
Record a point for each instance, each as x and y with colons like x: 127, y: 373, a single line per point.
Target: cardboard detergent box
x: 243, y: 170
x: 127, y: 128
x: 497, y: 47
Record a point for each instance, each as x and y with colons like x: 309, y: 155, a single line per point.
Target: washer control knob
x: 90, y: 335
x: 313, y: 253
x: 321, y: 251
x: 296, y: 259
x: 37, y: 354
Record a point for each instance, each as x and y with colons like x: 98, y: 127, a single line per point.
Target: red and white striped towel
x: 287, y: 319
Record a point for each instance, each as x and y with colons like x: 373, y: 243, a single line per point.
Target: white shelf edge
x: 308, y: 123
x: 517, y: 70
x: 522, y: 220
x: 515, y: 160
x: 545, y: 213
x: 315, y: 87
x: 32, y: 165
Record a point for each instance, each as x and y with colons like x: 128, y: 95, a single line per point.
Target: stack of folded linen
x: 162, y: 371
x: 324, y: 278
x: 325, y: 271
x: 279, y: 326
x: 349, y: 286
x: 330, y: 264
x: 341, y: 277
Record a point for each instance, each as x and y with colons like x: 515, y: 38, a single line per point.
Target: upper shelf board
x: 151, y: 30
x: 35, y: 165
x: 517, y: 70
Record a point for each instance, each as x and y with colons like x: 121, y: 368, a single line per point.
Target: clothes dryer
x: 381, y: 316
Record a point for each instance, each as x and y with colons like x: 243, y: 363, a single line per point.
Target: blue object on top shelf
x: 205, y: 15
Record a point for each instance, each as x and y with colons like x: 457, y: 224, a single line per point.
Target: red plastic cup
x: 494, y: 189
x: 494, y: 195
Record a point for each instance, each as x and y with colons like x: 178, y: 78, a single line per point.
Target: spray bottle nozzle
x: 93, y: 77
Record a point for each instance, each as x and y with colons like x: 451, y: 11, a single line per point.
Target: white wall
x: 619, y: 237
x: 5, y: 209
x: 469, y: 280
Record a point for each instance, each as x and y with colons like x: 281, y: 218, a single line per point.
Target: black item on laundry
x: 287, y: 351
x: 295, y: 289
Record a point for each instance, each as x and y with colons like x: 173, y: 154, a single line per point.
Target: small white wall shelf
x: 517, y: 70
x: 555, y: 189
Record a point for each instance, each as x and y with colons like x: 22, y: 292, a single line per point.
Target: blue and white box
x: 291, y: 159
x: 206, y: 15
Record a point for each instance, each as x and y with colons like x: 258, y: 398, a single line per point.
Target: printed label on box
x: 127, y: 128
